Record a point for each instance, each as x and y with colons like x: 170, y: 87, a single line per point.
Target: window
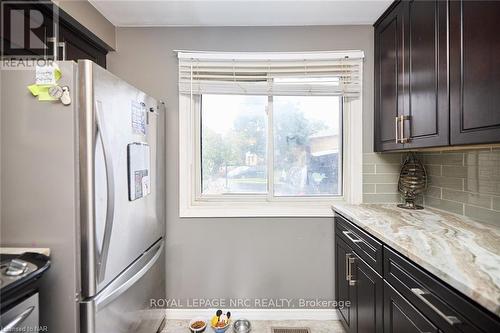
x: 267, y: 138
x: 305, y: 140
x: 307, y: 145
x: 234, y: 146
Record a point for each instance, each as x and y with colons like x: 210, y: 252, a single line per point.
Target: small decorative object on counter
x: 242, y: 326
x: 412, y: 181
x: 220, y: 322
x: 197, y: 325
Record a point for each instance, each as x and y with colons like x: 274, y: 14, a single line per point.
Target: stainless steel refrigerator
x: 86, y: 180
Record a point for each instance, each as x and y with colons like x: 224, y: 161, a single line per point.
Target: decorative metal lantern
x: 412, y: 181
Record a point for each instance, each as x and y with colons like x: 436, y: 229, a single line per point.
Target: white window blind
x: 280, y: 74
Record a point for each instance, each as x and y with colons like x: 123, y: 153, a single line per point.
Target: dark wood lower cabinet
x: 401, y: 316
x: 359, y: 284
x: 342, y: 288
x: 405, y: 298
x: 367, y: 301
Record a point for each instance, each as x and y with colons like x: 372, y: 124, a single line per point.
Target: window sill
x: 260, y: 209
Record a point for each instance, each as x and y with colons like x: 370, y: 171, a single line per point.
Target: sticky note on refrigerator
x: 41, y: 91
x: 45, y: 77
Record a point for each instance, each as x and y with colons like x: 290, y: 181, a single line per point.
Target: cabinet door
x: 401, y: 316
x: 389, y: 78
x: 475, y: 72
x: 367, y: 299
x: 77, y: 48
x: 342, y: 287
x: 426, y: 62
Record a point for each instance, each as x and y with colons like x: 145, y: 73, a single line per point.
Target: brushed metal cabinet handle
x: 352, y: 278
x: 452, y: 320
x: 347, y: 267
x: 354, y: 240
x: 402, y: 127
x: 396, y: 127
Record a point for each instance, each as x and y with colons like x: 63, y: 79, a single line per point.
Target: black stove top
x: 19, y: 275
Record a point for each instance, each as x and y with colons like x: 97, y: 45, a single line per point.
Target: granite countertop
x: 458, y: 250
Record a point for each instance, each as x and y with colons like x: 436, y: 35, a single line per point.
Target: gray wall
x: 238, y: 257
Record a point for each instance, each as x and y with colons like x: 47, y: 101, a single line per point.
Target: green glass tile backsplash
x: 463, y: 182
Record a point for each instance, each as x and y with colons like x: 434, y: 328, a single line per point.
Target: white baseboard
x: 257, y: 314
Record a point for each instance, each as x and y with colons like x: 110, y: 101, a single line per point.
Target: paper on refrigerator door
x: 139, y: 171
x: 47, y: 75
x: 138, y: 118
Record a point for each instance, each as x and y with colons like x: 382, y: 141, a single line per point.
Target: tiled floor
x: 316, y: 326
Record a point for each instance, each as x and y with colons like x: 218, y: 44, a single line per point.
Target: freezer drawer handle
x: 118, y: 287
x: 10, y: 327
x: 110, y: 206
x: 452, y: 320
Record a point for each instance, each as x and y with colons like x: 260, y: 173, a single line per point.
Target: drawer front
x: 401, y: 316
x: 367, y: 247
x: 449, y: 310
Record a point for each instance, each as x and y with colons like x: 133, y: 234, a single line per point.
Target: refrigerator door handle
x: 110, y: 206
x: 129, y: 277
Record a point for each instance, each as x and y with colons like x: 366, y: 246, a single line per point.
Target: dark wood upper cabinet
x: 426, y: 54
x: 74, y: 47
x: 74, y: 41
x: 475, y: 71
x: 411, y: 76
x: 449, y: 75
x: 389, y: 78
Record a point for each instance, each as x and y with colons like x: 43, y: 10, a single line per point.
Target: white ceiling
x: 240, y: 12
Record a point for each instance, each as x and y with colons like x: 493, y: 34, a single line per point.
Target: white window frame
x: 193, y: 204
